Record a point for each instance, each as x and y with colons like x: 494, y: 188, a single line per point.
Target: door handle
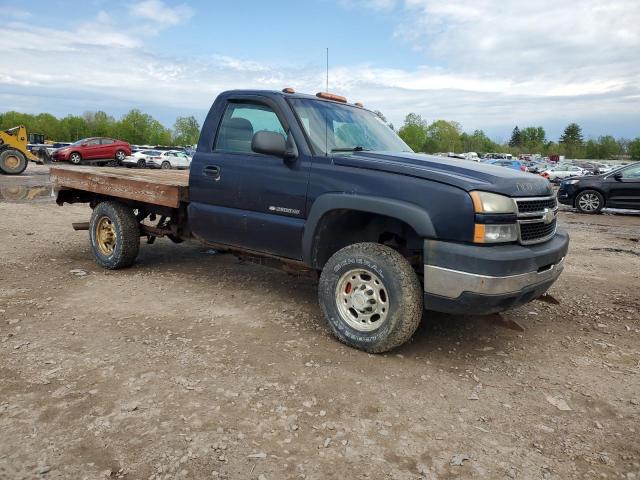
x: 211, y: 171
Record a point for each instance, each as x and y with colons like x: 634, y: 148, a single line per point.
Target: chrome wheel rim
x: 589, y: 202
x: 362, y: 300
x: 166, y: 165
x: 120, y: 155
x: 75, y: 158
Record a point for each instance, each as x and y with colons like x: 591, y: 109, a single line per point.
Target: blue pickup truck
x: 318, y: 183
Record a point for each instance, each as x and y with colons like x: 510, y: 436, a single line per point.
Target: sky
x: 488, y: 64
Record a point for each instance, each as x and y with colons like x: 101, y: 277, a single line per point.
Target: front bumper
x: 470, y: 279
x: 567, y: 194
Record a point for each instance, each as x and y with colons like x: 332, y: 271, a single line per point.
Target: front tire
x: 75, y: 158
x: 12, y: 162
x: 371, y: 297
x: 114, y: 235
x: 589, y: 201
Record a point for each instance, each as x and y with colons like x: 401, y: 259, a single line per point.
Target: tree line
x: 139, y: 128
x: 135, y: 127
x: 447, y: 136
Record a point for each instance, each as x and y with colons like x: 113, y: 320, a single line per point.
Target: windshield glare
x: 334, y: 127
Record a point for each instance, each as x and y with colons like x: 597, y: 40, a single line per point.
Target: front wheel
x: 12, y: 162
x: 114, y: 234
x: 75, y: 158
x: 371, y: 297
x: 589, y: 201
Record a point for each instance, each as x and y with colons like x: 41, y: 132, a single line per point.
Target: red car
x: 94, y: 148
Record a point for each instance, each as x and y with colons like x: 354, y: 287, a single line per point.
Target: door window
x: 94, y: 142
x: 106, y: 141
x: 631, y: 172
x: 240, y: 122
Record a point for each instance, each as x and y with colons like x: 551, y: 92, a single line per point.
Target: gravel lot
x: 195, y: 365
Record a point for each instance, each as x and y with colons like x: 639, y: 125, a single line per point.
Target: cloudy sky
x: 488, y: 64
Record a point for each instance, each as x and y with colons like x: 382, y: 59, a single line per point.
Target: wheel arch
x: 331, y: 204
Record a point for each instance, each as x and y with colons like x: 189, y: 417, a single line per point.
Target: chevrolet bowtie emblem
x: 548, y: 216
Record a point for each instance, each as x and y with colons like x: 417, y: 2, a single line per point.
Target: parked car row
x: 113, y: 152
x: 165, y: 159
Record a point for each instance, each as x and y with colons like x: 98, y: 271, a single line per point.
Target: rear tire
x: 165, y: 165
x: 589, y: 201
x: 114, y: 235
x: 141, y: 163
x: 12, y: 162
x: 120, y: 156
x: 371, y: 297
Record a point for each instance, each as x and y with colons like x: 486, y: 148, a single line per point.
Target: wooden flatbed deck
x: 159, y: 187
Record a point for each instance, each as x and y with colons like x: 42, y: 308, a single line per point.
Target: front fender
x: 409, y: 213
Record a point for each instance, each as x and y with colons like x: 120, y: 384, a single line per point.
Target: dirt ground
x: 192, y: 364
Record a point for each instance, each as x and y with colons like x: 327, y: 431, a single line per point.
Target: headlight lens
x: 485, y: 202
x: 570, y: 182
x: 495, y: 233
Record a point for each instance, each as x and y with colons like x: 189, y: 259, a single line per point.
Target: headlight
x: 570, y: 182
x: 507, y: 232
x: 485, y: 202
x: 496, y: 217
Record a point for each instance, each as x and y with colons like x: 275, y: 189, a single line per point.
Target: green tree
x: 186, y: 131
x: 572, y: 140
x: 516, y: 138
x: 445, y: 136
x: 634, y: 149
x: 413, y: 132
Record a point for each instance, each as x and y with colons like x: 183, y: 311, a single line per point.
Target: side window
x: 240, y: 122
x: 93, y: 142
x: 632, y: 172
x: 106, y: 141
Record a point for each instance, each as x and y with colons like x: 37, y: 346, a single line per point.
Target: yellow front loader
x: 14, y: 153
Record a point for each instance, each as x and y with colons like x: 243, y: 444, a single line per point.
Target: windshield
x: 333, y: 127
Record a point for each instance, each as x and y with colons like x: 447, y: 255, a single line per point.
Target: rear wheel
x: 589, y: 201
x: 120, y: 156
x: 114, y: 234
x: 141, y: 163
x: 12, y: 162
x: 165, y: 165
x: 75, y: 158
x: 371, y: 297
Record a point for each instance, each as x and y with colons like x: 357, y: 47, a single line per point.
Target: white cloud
x: 161, y: 13
x: 488, y: 64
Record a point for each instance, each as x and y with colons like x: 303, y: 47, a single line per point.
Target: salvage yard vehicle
x: 590, y: 194
x: 94, y: 149
x: 14, y: 153
x: 170, y: 159
x: 563, y: 171
x: 326, y: 186
x: 139, y: 158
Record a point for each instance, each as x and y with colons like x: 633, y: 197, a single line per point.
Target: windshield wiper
x: 357, y: 148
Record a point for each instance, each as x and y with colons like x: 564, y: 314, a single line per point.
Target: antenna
x: 327, y: 70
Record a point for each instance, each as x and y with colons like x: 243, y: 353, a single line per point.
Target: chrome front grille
x: 537, y: 220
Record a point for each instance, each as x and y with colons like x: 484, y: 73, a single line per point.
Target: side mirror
x: 617, y: 176
x: 272, y: 143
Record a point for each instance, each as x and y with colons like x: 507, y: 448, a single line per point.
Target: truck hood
x: 463, y: 174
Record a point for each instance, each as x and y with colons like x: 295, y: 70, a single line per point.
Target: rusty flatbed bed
x: 158, y: 187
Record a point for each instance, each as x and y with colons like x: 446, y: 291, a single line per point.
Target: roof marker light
x: 332, y: 96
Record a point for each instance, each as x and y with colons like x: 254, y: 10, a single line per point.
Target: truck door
x: 625, y: 188
x: 246, y: 199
